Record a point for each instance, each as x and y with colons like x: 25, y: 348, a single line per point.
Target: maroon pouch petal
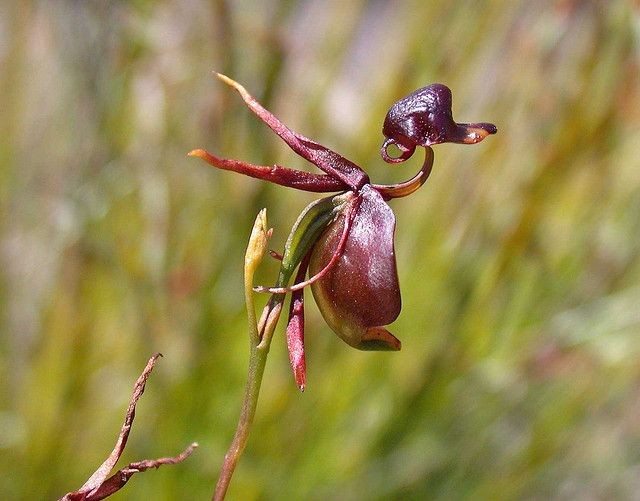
x: 361, y: 290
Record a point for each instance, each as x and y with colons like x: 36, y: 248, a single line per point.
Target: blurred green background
x: 519, y: 260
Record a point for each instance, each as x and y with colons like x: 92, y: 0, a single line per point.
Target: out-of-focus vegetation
x: 519, y: 260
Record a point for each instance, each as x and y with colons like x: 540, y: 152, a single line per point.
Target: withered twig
x: 98, y: 486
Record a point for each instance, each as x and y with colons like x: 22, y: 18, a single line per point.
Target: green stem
x: 309, y: 225
x: 257, y: 362
x: 259, y: 343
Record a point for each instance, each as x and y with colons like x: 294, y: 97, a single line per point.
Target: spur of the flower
x: 345, y: 242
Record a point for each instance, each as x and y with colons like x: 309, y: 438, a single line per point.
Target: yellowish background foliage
x: 519, y: 260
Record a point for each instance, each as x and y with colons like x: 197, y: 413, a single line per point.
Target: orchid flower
x: 344, y: 243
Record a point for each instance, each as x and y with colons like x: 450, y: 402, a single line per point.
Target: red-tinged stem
x: 100, y: 485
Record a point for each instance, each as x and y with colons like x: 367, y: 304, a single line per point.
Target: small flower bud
x: 257, y: 242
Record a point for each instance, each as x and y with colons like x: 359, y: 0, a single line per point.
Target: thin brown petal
x: 292, y: 178
x: 324, y: 158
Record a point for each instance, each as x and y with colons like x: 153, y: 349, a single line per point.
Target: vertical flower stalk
x: 342, y: 246
x: 258, y: 350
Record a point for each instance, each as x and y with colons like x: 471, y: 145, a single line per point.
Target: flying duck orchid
x: 342, y: 246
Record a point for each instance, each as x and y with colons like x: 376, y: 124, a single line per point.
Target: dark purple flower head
x: 346, y: 241
x: 360, y: 294
x: 424, y: 118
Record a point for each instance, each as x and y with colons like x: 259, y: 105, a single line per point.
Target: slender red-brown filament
x: 275, y: 255
x: 405, y: 151
x: 348, y: 218
x: 389, y: 191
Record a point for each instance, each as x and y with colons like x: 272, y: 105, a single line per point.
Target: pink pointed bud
x: 295, y: 335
